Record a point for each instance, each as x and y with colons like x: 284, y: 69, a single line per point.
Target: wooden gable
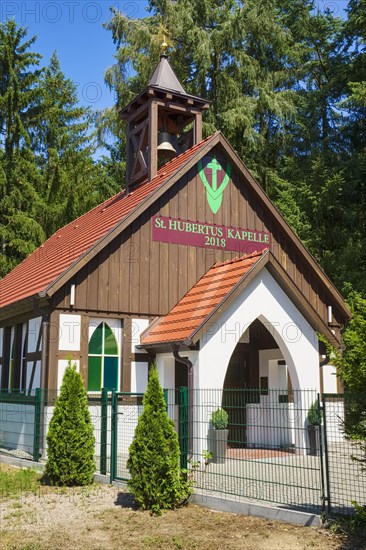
x: 136, y: 275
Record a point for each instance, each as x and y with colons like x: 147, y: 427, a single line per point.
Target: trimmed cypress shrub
x: 70, y: 437
x: 157, y: 481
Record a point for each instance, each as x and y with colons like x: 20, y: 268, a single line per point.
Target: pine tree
x: 70, y: 436
x: 239, y: 56
x: 20, y: 231
x: 157, y: 481
x: 72, y: 181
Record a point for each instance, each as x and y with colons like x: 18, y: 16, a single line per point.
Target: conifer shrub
x: 70, y: 437
x: 157, y: 481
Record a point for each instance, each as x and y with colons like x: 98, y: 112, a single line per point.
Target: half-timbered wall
x: 135, y: 275
x: 21, y: 347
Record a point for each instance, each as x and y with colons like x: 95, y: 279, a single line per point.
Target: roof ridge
x: 56, y: 255
x: 240, y: 258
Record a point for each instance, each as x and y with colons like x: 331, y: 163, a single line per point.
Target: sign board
x: 208, y: 235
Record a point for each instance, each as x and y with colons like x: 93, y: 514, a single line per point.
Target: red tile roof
x: 41, y: 268
x: 201, y: 301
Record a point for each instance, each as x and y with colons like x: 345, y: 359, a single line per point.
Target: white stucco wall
x: 37, y: 374
x: 69, y: 332
x: 139, y: 369
x: 137, y: 328
x: 329, y: 379
x: 61, y: 367
x: 139, y: 376
x: 34, y: 326
x: 262, y: 299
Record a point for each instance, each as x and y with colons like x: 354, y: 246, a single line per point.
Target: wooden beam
x: 136, y: 115
x: 129, y: 152
x: 153, y: 139
x: 4, y: 382
x: 38, y: 350
x: 84, y: 348
x: 197, y: 131
x: 53, y: 339
x: 17, y: 360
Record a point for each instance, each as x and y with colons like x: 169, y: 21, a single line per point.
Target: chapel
x: 190, y: 265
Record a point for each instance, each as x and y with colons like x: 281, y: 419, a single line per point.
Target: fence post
x: 327, y: 498
x: 103, y: 432
x: 37, y: 424
x: 183, y: 426
x: 321, y: 413
x: 114, y: 431
x: 166, y: 399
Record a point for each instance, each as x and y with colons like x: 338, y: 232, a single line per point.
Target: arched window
x: 103, y: 359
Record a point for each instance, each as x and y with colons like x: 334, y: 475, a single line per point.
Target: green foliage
x: 315, y: 415
x: 351, y: 367
x: 70, y: 437
x: 48, y: 176
x: 351, y: 362
x: 219, y: 419
x: 20, y: 231
x: 157, y: 481
x: 360, y: 517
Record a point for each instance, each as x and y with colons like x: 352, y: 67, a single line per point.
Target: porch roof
x: 185, y: 324
x: 194, y: 309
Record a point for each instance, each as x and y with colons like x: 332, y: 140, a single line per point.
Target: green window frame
x: 103, y: 359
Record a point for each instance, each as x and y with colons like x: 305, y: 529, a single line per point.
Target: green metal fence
x: 21, y: 421
x: 272, y: 450
x: 345, y: 451
x: 264, y: 453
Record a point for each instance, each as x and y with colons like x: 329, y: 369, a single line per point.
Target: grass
x: 99, y: 516
x: 15, y: 482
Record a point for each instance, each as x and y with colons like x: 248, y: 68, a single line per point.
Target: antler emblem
x: 215, y: 191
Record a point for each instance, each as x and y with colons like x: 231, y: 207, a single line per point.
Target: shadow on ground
x: 126, y: 500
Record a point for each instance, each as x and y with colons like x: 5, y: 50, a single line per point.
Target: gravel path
x: 57, y: 507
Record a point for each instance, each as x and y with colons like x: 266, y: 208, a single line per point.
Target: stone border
x: 226, y: 503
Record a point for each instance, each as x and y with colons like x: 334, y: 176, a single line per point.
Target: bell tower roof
x: 163, y: 121
x: 164, y: 77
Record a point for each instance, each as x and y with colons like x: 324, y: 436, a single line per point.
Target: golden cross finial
x: 164, y: 46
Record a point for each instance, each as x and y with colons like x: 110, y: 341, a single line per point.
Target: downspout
x: 189, y: 365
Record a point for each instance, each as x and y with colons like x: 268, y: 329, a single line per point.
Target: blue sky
x: 74, y: 28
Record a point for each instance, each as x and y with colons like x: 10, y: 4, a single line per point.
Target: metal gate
x: 126, y: 409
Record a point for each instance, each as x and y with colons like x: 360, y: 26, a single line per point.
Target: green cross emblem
x: 214, y: 193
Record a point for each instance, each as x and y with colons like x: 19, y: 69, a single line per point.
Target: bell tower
x: 162, y: 122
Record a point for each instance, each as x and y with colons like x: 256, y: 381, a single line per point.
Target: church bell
x: 166, y: 146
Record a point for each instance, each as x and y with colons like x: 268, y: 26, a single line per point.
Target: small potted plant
x: 314, y: 420
x: 218, y: 435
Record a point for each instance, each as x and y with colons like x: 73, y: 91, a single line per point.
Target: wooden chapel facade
x: 92, y: 289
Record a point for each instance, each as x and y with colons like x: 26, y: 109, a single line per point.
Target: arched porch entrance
x: 256, y: 365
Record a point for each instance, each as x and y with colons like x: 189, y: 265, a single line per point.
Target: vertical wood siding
x: 135, y: 276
